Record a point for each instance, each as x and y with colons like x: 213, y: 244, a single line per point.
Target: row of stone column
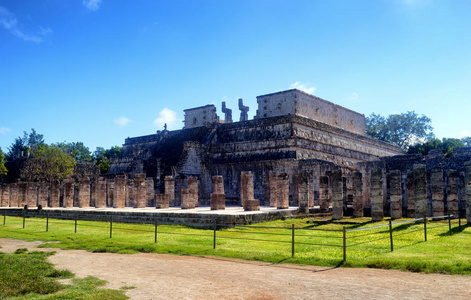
x: 415, y: 193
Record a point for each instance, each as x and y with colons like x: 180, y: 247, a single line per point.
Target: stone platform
x: 198, y: 217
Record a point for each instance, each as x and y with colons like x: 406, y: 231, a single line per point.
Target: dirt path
x: 160, y: 276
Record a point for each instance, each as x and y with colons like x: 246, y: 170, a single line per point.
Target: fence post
x: 292, y: 240
x: 391, y: 235
x: 344, y: 244
x: 449, y: 223
x: 214, y: 238
x: 111, y: 226
x: 75, y: 223
x: 425, y: 227
x: 47, y: 222
x: 155, y: 234
x: 24, y: 219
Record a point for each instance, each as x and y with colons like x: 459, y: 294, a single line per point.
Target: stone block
x: 467, y: 182
x: 187, y: 199
x: 218, y: 184
x: 193, y: 189
x: 218, y: 201
x: 162, y: 201
x: 324, y: 194
x: 252, y: 205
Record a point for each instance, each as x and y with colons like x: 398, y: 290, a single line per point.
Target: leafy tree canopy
x: 103, y: 157
x: 77, y: 150
x: 49, y: 163
x: 24, y: 146
x: 446, y: 145
x: 466, y: 141
x: 403, y: 130
x: 3, y: 169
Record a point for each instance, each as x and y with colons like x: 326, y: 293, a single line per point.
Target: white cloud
x: 303, y: 87
x: 122, y: 121
x: 166, y: 116
x: 353, y: 96
x: 45, y: 31
x: 4, y: 130
x: 92, y: 4
x: 9, y: 22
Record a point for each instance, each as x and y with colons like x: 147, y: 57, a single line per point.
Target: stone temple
x: 292, y: 131
x: 298, y: 151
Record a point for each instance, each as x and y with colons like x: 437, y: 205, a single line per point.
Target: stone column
x: 283, y: 191
x: 130, y: 193
x: 22, y: 191
x: 32, y: 194
x: 324, y: 195
x: 161, y: 201
x: 170, y: 189
x: 246, y: 187
x: 301, y: 182
x: 119, y: 192
x: 420, y: 191
x: 5, y: 195
x: 43, y: 195
x: 410, y: 210
x: 467, y: 182
x: 376, y: 194
x: 273, y: 189
x: 395, y: 179
x: 109, y: 192
x: 54, y: 201
x: 337, y: 195
x: 218, y: 197
x: 452, y: 192
x: 438, y: 193
x: 14, y: 195
x: 100, y: 192
x: 357, y: 194
x: 150, y: 192
x: 193, y: 189
x: 140, y: 190
x: 84, y: 192
x: 68, y: 193
x: 187, y: 199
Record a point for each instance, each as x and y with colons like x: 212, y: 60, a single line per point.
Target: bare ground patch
x: 162, y: 276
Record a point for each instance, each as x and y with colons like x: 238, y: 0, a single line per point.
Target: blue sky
x: 99, y: 71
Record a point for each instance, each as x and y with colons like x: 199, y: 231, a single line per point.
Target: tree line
x: 30, y: 158
x: 412, y: 132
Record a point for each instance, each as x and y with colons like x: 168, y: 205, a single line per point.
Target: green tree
x: 446, y: 145
x: 3, y: 169
x: 24, y: 146
x: 77, y: 150
x: 103, y: 157
x: 403, y: 130
x: 466, y: 141
x: 49, y: 163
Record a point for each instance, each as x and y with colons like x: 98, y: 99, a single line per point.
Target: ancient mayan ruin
x: 298, y: 150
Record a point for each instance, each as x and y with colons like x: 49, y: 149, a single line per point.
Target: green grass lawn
x: 27, y: 275
x: 442, y: 253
